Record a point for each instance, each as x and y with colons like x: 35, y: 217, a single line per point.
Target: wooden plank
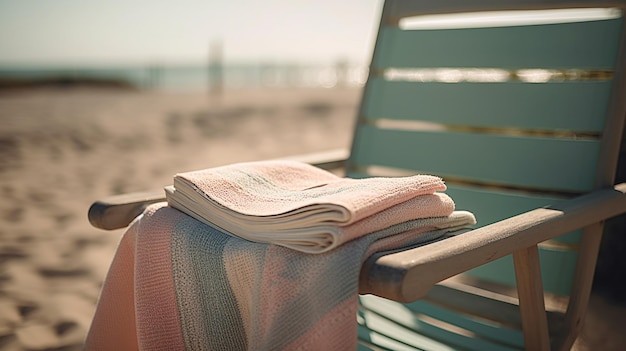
x: 401, y: 323
x: 400, y: 8
x: 409, y: 274
x: 492, y: 205
x: 582, y: 286
x: 472, y: 297
x: 607, y: 165
x: 557, y: 270
x: 529, y: 161
x: 390, y: 334
x: 531, y: 301
x: 564, y: 106
x: 118, y: 211
x: 542, y: 46
x: 489, y: 317
x: 489, y: 331
x: 329, y: 160
x: 374, y: 340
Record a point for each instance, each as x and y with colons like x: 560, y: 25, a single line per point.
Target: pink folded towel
x: 300, y: 206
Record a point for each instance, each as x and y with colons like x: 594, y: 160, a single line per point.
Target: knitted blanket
x: 178, y: 283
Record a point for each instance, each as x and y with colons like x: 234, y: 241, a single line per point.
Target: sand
x: 60, y: 149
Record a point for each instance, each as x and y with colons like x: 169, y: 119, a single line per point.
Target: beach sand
x: 61, y: 149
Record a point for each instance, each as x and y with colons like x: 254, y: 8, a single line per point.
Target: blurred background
x: 102, y: 98
x: 189, y: 45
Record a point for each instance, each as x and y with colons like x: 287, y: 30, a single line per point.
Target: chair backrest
x: 514, y: 111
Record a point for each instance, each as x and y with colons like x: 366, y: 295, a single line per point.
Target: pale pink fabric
x: 302, y: 207
x: 177, y: 283
x: 285, y: 299
x: 137, y: 308
x: 114, y: 325
x: 155, y: 303
x: 274, y: 188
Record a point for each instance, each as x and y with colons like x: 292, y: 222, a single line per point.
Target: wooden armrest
x: 118, y: 211
x: 408, y: 275
x: 115, y: 212
x: 328, y: 160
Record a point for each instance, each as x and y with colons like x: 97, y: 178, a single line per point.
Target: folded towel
x: 300, y: 206
x: 176, y: 283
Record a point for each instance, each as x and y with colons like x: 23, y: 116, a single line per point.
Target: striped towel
x: 177, y: 283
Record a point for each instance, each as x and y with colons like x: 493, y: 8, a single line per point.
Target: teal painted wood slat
x: 401, y: 8
x: 565, y: 106
x: 490, y: 206
x: 376, y: 341
x: 493, y: 205
x: 369, y: 340
x: 528, y: 161
x: 488, y: 330
x: 399, y: 322
x: 387, y: 333
x: 541, y: 46
x: 557, y: 271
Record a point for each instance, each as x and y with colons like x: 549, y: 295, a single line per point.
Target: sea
x: 199, y: 77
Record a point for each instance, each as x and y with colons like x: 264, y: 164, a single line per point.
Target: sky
x: 85, y: 32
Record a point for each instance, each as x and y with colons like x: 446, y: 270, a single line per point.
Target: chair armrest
x: 408, y: 275
x: 115, y: 212
x: 118, y: 211
x: 328, y: 160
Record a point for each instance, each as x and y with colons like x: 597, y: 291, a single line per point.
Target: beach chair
x: 524, y: 122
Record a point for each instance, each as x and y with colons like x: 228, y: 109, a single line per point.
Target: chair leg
x: 531, y: 300
x: 583, y: 281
